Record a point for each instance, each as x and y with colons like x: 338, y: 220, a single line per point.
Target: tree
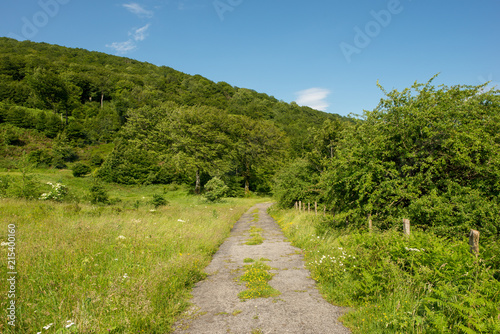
x: 431, y: 155
x: 200, y: 140
x: 50, y: 89
x: 258, y: 145
x: 215, y: 189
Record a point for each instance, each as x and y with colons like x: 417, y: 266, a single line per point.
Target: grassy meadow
x: 121, y: 268
x: 393, y: 284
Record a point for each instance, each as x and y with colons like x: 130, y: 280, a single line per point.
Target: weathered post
x: 316, y: 208
x: 370, y: 224
x: 474, y: 242
x: 406, y: 227
x: 308, y: 207
x: 300, y: 206
x: 324, y: 211
x: 296, y: 206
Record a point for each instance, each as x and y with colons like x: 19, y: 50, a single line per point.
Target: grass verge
x: 420, y: 284
x: 110, y: 269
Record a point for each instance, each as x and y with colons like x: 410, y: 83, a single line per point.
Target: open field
x: 122, y: 268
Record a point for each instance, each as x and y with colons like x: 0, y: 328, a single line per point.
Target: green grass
x: 255, y: 236
x: 110, y: 269
x: 257, y: 277
x: 420, y: 284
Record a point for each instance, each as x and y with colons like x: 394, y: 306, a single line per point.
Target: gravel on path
x: 300, y: 308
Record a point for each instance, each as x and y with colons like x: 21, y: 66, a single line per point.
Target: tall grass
x: 394, y: 284
x: 110, y: 269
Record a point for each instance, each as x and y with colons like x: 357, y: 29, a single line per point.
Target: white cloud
x: 140, y: 34
x: 138, y: 10
x: 122, y: 47
x: 314, y: 98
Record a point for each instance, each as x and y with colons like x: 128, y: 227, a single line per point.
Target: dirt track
x: 299, y: 309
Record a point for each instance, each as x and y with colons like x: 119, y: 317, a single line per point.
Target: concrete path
x: 216, y: 307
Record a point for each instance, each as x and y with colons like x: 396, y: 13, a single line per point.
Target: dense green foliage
x: 418, y: 284
x: 215, y: 189
x: 81, y: 169
x: 203, y: 128
x: 428, y: 154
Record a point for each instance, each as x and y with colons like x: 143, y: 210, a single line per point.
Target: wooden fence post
x: 300, y: 206
x: 316, y: 208
x: 308, y: 207
x: 324, y: 211
x: 474, y: 242
x: 370, y: 224
x: 406, y: 227
x: 296, y: 206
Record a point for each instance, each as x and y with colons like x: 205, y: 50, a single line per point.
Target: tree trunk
x: 247, y: 186
x: 197, y: 188
x: 247, y: 176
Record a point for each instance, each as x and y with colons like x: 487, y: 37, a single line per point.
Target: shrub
x: 41, y: 158
x: 158, y: 200
x: 81, y: 169
x: 427, y: 153
x: 215, y: 189
x: 57, y: 193
x: 98, y: 194
x: 5, y: 182
x: 96, y: 160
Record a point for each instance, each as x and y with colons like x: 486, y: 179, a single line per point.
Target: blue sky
x: 325, y: 54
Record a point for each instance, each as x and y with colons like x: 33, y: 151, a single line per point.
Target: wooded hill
x: 168, y: 126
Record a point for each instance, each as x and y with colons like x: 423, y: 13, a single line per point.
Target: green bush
x: 57, y: 193
x: 11, y: 135
x: 98, y: 194
x: 296, y: 182
x: 158, y: 200
x: 429, y: 154
x: 96, y: 160
x: 215, y: 189
x: 41, y: 158
x: 81, y: 169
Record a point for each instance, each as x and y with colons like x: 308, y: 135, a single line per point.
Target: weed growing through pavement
x: 255, y: 236
x: 257, y: 277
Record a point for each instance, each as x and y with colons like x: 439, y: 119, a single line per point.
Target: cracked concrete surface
x: 300, y: 308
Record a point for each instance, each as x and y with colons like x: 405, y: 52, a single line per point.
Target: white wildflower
x: 121, y: 237
x: 48, y: 326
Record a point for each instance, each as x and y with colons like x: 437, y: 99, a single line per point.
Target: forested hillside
x: 168, y: 126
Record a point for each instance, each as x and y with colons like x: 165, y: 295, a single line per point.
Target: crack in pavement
x: 300, y: 308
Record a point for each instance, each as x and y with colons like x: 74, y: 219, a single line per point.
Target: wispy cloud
x: 190, y: 5
x: 140, y: 34
x: 138, y: 10
x: 314, y: 98
x: 122, y: 47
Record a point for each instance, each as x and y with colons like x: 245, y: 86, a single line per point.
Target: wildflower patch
x: 257, y: 277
